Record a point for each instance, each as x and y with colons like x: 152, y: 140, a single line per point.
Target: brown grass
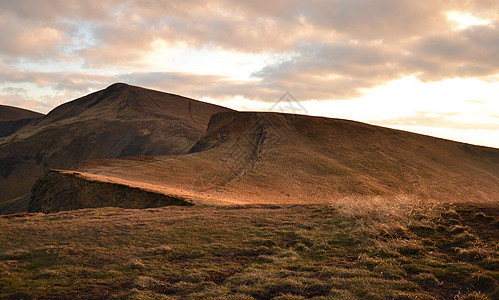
x: 352, y: 249
x: 266, y: 158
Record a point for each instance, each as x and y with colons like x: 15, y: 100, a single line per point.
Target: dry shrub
x: 388, y: 216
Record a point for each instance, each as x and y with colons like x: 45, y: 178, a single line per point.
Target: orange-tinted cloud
x: 324, y: 49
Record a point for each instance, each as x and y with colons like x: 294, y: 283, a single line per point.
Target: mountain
x: 14, y: 118
x: 272, y: 158
x: 121, y: 120
x: 10, y: 113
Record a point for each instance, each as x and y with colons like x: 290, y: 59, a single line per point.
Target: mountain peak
x: 121, y: 120
x: 117, y: 86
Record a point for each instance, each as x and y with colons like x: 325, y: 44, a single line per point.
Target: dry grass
x: 269, y: 158
x: 375, y: 249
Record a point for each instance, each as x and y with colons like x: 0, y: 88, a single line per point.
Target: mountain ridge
x: 14, y: 118
x: 272, y: 158
x: 121, y: 120
x: 207, y: 154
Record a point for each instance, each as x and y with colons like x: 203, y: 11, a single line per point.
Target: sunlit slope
x: 119, y: 121
x: 283, y: 158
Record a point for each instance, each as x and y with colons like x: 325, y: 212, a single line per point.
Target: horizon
x: 425, y: 67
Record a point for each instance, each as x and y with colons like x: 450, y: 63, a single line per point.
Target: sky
x: 426, y: 66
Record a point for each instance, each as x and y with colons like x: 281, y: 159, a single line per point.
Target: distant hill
x: 121, y: 120
x: 10, y: 113
x: 248, y: 158
x: 13, y: 118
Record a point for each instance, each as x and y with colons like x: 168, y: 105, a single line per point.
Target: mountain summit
x: 121, y: 120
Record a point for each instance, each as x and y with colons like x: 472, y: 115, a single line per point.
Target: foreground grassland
x: 374, y: 250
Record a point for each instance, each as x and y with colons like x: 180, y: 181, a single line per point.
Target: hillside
x: 271, y: 158
x: 121, y: 120
x: 13, y: 118
x: 10, y: 113
x: 260, y: 206
x: 347, y: 250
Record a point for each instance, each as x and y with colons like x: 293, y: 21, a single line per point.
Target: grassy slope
x: 269, y: 158
x: 353, y: 249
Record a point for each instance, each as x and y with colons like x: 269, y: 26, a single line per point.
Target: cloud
x: 18, y: 97
x: 468, y: 53
x: 60, y: 81
x: 42, y: 91
x: 440, y: 120
x: 27, y: 39
x: 198, y: 86
x: 40, y: 11
x: 337, y: 70
x: 324, y: 49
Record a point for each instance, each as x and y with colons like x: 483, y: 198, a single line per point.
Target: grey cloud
x: 219, y: 87
x: 339, y: 47
x: 40, y: 29
x: 380, y: 19
x: 44, y: 11
x: 61, y: 81
x: 341, y: 58
x: 197, y: 86
x: 13, y: 91
x: 467, y: 53
x: 340, y: 70
x: 67, y: 85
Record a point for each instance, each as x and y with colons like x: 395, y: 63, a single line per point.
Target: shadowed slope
x: 282, y: 158
x: 10, y: 113
x: 14, y: 118
x: 119, y: 121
